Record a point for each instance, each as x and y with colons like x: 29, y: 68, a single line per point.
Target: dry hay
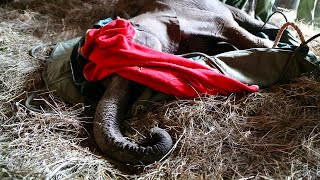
x: 265, y: 135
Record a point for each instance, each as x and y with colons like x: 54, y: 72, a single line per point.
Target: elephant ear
x: 160, y: 20
x: 114, y: 104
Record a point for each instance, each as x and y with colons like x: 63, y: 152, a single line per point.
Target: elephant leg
x: 241, y: 38
x: 249, y: 23
x: 237, y: 30
x: 114, y: 104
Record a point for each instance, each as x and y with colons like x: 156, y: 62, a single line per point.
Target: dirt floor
x: 272, y: 134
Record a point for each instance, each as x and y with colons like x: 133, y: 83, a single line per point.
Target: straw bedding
x: 272, y: 134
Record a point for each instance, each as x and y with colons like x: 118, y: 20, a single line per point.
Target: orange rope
x: 284, y: 26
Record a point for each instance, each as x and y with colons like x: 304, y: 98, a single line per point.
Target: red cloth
x: 111, y: 49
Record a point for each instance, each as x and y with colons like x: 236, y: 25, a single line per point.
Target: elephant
x: 174, y: 27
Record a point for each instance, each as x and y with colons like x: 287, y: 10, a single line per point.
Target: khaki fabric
x: 264, y: 66
x: 57, y: 73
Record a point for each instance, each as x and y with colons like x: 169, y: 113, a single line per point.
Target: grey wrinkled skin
x: 113, y: 105
x: 172, y: 27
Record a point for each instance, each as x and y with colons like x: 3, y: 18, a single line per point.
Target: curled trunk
x: 115, y: 103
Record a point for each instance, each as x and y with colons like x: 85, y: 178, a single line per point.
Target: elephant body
x: 198, y: 25
x: 175, y: 27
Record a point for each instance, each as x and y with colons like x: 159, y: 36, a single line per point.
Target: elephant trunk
x: 114, y: 104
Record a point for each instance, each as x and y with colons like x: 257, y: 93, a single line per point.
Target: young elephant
x: 173, y: 27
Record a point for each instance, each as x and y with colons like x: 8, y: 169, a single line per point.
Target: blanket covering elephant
x: 173, y: 27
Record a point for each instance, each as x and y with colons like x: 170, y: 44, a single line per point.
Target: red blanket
x: 111, y: 50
